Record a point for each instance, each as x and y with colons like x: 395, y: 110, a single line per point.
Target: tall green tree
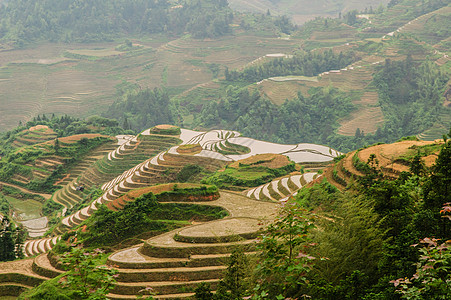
x: 7, y: 240
x: 437, y: 191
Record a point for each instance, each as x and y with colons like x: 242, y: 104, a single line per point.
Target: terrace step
x: 161, y: 287
x: 163, y: 248
x: 170, y: 274
x: 13, y: 289
x: 166, y: 297
x: 120, y: 260
x: 40, y: 173
x: 43, y: 267
x: 39, y: 246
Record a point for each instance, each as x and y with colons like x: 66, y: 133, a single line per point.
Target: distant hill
x: 23, y: 21
x: 303, y: 10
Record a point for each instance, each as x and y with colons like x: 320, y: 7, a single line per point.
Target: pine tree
x: 7, y: 246
x: 234, y: 280
x: 57, y: 145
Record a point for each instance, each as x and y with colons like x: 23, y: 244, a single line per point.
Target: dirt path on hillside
x: 46, y: 196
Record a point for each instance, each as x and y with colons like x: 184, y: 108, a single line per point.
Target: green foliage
x: 242, y: 177
x: 309, y: 119
x: 306, y: 64
x: 138, y: 107
x: 67, y: 125
x: 5, y: 207
x: 146, y: 214
x: 432, y: 279
x: 176, y: 193
x: 7, y: 245
x: 109, y: 227
x: 323, y: 194
x: 86, y: 278
x: 50, y: 207
x: 351, y: 240
x: 417, y: 166
x: 188, y: 172
x: 284, y: 262
x: 410, y: 94
x: 247, y: 175
x: 53, y: 20
x: 203, y: 292
x: 49, y: 290
x: 234, y: 284
x: 437, y: 189
x: 11, y: 240
x: 408, y: 138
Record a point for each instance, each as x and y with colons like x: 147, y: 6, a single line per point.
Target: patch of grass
x: 424, y: 150
x: 251, y: 172
x: 25, y: 209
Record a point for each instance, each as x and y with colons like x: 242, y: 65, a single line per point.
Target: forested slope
x: 88, y: 21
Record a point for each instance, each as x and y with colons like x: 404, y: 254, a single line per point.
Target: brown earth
x: 75, y: 138
x: 269, y: 160
x: 41, y: 127
x: 388, y: 153
x: 390, y: 159
x: 165, y: 126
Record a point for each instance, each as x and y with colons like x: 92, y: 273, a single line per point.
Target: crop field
x: 355, y: 80
x: 343, y: 34
x: 41, y: 80
x: 95, y: 52
x: 34, y: 135
x: 279, y: 92
x: 368, y: 116
x: 25, y: 209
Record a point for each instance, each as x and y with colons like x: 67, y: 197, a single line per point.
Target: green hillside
x: 105, y: 20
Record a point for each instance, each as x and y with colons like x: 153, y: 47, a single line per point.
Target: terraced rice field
x: 34, y: 135
x: 354, y: 79
x: 96, y: 52
x: 390, y: 157
x: 368, y: 117
x: 343, y: 34
x: 41, y: 80
x: 387, y: 154
x: 281, y: 189
x: 25, y: 209
x: 279, y: 92
x: 173, y: 264
x: 152, y: 171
